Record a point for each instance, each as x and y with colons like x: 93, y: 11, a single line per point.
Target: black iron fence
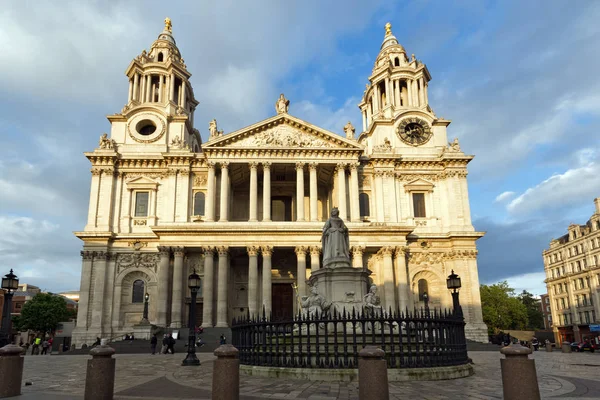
x: 417, y: 339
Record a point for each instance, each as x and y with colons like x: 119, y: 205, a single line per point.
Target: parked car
x: 583, y: 346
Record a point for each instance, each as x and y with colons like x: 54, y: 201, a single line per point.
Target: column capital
x: 224, y: 164
x: 386, y: 251
x: 300, y: 166
x: 401, y: 251
x: 358, y: 250
x: 164, y: 250
x: 315, y: 251
x: 111, y: 256
x: 266, y: 165
x: 354, y: 166
x: 253, y: 165
x: 87, y: 255
x: 223, y: 250
x: 100, y: 255
x: 379, y: 173
x: 178, y: 251
x: 301, y: 251
x: 208, y: 250
x: 267, y: 251
x: 253, y: 250
x: 340, y: 166
x: 210, y: 164
x: 313, y: 166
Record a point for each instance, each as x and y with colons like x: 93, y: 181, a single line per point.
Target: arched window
x: 199, y: 203
x: 160, y: 57
x: 396, y: 62
x: 363, y: 201
x: 597, y: 224
x: 137, y: 295
x: 423, y: 289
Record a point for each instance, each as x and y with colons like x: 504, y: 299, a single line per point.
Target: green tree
x: 502, y: 309
x: 534, y: 313
x: 43, y: 313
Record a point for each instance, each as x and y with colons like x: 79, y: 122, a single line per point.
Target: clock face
x: 414, y: 131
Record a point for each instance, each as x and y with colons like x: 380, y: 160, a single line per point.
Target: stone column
x: 84, y: 293
x: 109, y: 288
x: 136, y: 82
x: 376, y: 99
x: 314, y: 203
x: 315, y: 251
x: 387, y: 92
x: 391, y: 183
x: 369, y: 114
x: 357, y: 256
x: 402, y: 283
x: 425, y: 94
x: 142, y: 86
x: 253, y: 191
x: 267, y: 252
x: 172, y: 88
x: 392, y: 94
x: 354, y: 196
x: 415, y: 92
x: 252, y: 279
x: 364, y: 119
x: 266, y: 191
x: 388, y: 278
x: 421, y: 92
x: 183, y: 94
x: 210, y: 195
x: 116, y: 309
x: 184, y: 195
x: 163, y: 286
x: 130, y: 93
x: 409, y: 90
x: 160, y: 88
x: 148, y: 99
x: 299, y: 191
x: 379, y: 196
x: 177, y: 301
x: 224, y: 191
x: 341, y: 175
x: 207, y: 287
x: 301, y: 274
x: 397, y: 94
x: 462, y: 178
x: 94, y: 196
x: 222, y: 321
x: 99, y: 269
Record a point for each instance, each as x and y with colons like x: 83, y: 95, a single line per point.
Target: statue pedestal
x: 343, y: 286
x: 143, y: 331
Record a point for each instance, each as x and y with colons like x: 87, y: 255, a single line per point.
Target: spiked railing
x: 417, y: 339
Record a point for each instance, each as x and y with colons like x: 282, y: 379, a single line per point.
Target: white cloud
x: 504, y: 196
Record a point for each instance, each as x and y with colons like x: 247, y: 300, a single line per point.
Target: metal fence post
x: 519, y: 379
x: 226, y: 373
x: 100, y: 375
x: 11, y: 370
x: 372, y: 374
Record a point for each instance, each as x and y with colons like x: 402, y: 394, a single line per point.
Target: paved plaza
x: 561, y: 376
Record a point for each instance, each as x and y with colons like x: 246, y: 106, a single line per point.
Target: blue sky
x: 517, y: 79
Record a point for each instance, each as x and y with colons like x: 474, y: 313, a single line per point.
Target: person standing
x: 171, y: 344
x: 165, y: 344
x: 45, y: 346
x: 223, y: 340
x: 153, y: 343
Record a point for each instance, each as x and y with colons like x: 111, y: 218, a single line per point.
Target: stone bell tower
x: 159, y: 113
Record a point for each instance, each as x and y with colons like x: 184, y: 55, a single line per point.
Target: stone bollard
x: 372, y: 374
x: 226, y: 373
x: 11, y: 370
x: 519, y: 379
x: 566, y: 347
x: 549, y: 347
x: 100, y: 376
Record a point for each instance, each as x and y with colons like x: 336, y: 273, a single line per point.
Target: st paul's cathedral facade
x: 245, y: 209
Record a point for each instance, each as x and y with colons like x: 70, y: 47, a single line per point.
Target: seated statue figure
x: 315, y: 304
x: 372, y: 306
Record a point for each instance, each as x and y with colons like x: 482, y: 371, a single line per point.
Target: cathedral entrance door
x: 282, y: 301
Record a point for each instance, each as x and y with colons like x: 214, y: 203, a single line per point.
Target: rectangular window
x: 141, y: 204
x: 419, y: 205
x: 587, y: 317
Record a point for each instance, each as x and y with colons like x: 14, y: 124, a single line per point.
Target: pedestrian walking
x: 165, y: 343
x: 171, y: 344
x: 223, y: 340
x: 153, y: 343
x: 45, y: 346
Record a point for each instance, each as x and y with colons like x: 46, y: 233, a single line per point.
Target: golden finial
x: 168, y: 25
x: 388, y: 29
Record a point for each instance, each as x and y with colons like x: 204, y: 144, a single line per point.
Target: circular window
x: 145, y: 127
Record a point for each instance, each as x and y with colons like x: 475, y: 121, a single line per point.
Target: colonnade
x: 347, y: 211
x: 143, y: 88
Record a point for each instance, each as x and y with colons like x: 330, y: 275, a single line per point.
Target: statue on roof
x: 454, y: 146
x: 168, y: 25
x: 212, y: 129
x: 282, y: 105
x: 388, y: 29
x: 105, y: 143
x: 349, y: 129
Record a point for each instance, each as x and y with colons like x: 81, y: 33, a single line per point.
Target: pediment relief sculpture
x: 139, y: 260
x: 282, y: 136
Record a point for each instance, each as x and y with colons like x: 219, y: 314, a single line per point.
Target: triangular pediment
x: 419, y: 185
x: 282, y: 131
x: 142, y: 182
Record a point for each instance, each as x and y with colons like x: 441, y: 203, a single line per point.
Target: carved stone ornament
x: 140, y: 222
x: 386, y: 147
x: 144, y: 122
x: 138, y: 244
x: 177, y: 143
x: 453, y: 147
x: 429, y: 258
x: 282, y: 136
x: 137, y: 260
x: 200, y: 180
x: 349, y: 130
x: 105, y: 143
x: 282, y: 105
x: 212, y: 130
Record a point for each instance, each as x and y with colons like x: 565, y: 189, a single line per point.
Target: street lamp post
x: 145, y: 316
x: 10, y: 283
x: 453, y: 284
x: 194, y: 285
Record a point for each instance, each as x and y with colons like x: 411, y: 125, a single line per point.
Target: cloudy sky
x: 518, y: 79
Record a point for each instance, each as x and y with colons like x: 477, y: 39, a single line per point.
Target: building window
x: 422, y: 289
x: 199, y: 203
x: 141, y: 204
x: 137, y: 295
x: 419, y: 205
x: 363, y: 201
x: 160, y: 57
